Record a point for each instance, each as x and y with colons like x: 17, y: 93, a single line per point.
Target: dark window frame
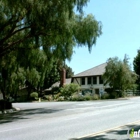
x: 94, y: 80
x: 100, y: 80
x: 89, y: 80
x: 83, y: 82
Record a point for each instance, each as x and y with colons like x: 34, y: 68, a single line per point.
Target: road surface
x: 67, y: 120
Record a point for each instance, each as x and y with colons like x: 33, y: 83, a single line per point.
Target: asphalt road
x: 67, y: 120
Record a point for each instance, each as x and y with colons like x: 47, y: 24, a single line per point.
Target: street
x: 67, y: 120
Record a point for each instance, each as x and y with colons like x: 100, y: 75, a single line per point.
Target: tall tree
x: 12, y: 76
x: 29, y: 25
x: 50, y: 23
x: 118, y: 74
x: 69, y: 71
x: 53, y: 74
x: 136, y: 64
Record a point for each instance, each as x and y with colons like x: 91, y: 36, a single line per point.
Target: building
x: 91, y: 80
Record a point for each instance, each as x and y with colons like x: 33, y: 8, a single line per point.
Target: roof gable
x: 97, y: 70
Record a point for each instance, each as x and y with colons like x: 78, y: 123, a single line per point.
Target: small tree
x: 68, y: 90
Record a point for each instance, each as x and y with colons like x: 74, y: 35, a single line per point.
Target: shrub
x: 109, y: 90
x: 56, y: 96
x: 60, y: 98
x: 68, y: 90
x: 95, y: 97
x: 88, y: 97
x: 77, y: 99
x: 55, y: 90
x: 114, y: 95
x: 47, y: 97
x: 122, y: 94
x: 85, y: 98
x: 34, y: 95
x: 105, y: 96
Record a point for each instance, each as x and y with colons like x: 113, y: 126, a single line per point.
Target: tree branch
x: 3, y: 51
x: 9, y: 35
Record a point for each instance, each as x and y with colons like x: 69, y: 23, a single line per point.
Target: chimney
x: 62, y: 77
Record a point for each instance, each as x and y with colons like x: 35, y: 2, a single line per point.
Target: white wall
x: 93, y: 86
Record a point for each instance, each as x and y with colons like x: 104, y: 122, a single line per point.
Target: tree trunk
x: 62, y: 77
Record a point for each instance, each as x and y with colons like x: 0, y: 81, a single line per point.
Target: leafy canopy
x: 52, y: 25
x: 36, y: 33
x: 118, y: 74
x: 136, y: 64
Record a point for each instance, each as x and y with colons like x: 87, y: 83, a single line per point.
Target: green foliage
x: 47, y: 97
x: 85, y: 98
x: 69, y: 72
x: 118, y: 74
x: 34, y: 95
x: 68, y: 90
x: 49, y: 24
x: 105, y: 96
x: 55, y: 90
x: 52, y: 75
x: 35, y: 34
x: 88, y: 31
x: 77, y: 99
x: 136, y: 64
x: 95, y: 97
x: 33, y: 76
x: 12, y: 76
x: 114, y: 95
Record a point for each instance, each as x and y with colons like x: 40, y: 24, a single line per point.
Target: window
x: 89, y: 80
x: 96, y: 91
x: 83, y: 81
x: 100, y: 80
x: 94, y: 80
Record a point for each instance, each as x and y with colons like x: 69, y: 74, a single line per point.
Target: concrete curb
x: 107, y: 130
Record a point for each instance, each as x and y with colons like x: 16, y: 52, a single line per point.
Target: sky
x: 121, y: 33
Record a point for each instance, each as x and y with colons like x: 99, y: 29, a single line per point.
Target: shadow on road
x: 25, y: 114
x: 121, y: 133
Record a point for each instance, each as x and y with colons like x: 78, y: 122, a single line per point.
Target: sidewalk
x: 120, y: 133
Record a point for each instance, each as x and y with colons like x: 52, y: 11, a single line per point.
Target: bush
x: 109, y: 90
x: 89, y: 97
x: 95, y: 97
x: 77, y: 99
x: 85, y: 98
x: 105, y: 96
x: 48, y: 97
x: 68, y: 90
x: 60, y: 98
x: 122, y: 94
x: 56, y: 96
x: 34, y: 95
x: 113, y: 95
x: 55, y: 90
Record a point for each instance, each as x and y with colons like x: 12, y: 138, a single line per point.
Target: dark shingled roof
x: 68, y: 81
x: 98, y: 70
